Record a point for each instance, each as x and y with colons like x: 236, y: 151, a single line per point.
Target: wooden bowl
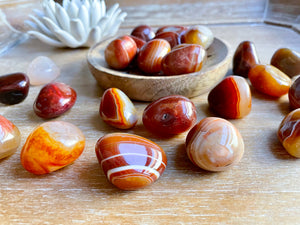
x: 149, y: 88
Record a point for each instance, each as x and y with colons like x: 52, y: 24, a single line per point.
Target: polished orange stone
x: 214, y: 144
x: 289, y: 133
x: 129, y: 161
x: 117, y: 110
x: 10, y: 137
x: 269, y: 80
x: 51, y: 146
x: 198, y: 34
x: 231, y: 98
x: 151, y: 54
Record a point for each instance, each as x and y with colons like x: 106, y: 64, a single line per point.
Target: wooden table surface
x: 264, y: 188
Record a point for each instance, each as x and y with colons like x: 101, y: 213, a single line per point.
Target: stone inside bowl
x: 149, y: 88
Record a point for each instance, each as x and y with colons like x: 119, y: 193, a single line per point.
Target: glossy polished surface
x: 13, y: 88
x: 172, y: 37
x: 42, y: 70
x: 294, y: 94
x: 170, y: 115
x: 117, y: 110
x: 289, y: 133
x: 120, y: 52
x: 143, y: 32
x: 200, y: 35
x: 151, y: 54
x: 51, y: 146
x: 138, y: 41
x: 173, y: 28
x: 214, y: 144
x: 129, y: 161
x: 269, y: 80
x: 287, y: 60
x: 244, y: 58
x: 231, y: 98
x: 54, y: 99
x: 186, y: 58
x: 10, y: 138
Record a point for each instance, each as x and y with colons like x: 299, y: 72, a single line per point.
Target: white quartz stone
x: 42, y: 70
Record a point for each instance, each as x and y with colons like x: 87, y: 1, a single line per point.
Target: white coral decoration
x: 75, y: 23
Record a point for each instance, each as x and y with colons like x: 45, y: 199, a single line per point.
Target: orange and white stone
x: 214, y: 144
x: 10, y: 138
x: 130, y: 161
x: 51, y: 146
x: 117, y: 110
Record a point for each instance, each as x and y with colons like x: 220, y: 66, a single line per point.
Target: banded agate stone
x: 288, y: 133
x: 129, y: 161
x: 231, y: 98
x: 10, y: 138
x: 214, y: 144
x: 51, y: 146
x: 117, y: 110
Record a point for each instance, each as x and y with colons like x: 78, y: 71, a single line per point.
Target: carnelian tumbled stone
x: 170, y: 115
x: 129, y: 161
x: 269, y: 80
x: 294, y: 94
x: 10, y: 137
x: 231, y: 98
x: 120, y: 52
x: 13, y: 88
x: 54, y: 99
x: 117, y: 110
x: 198, y: 34
x: 244, y: 58
x: 289, y: 133
x: 185, y: 58
x: 287, y: 60
x: 172, y: 37
x: 151, y: 54
x: 143, y: 32
x: 51, y: 146
x: 214, y: 144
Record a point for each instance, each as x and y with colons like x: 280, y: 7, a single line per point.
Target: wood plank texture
x: 262, y: 189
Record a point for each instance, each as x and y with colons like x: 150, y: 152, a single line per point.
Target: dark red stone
x: 245, y: 57
x: 54, y: 99
x: 170, y: 36
x: 143, y: 32
x: 177, y: 29
x: 170, y: 115
x: 13, y: 88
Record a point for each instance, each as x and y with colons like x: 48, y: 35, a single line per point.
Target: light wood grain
x: 150, y: 88
x: 262, y: 189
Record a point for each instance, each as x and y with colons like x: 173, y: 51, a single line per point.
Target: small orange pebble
x: 289, y: 133
x: 117, y: 110
x: 51, y: 146
x: 269, y: 80
x: 10, y: 137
